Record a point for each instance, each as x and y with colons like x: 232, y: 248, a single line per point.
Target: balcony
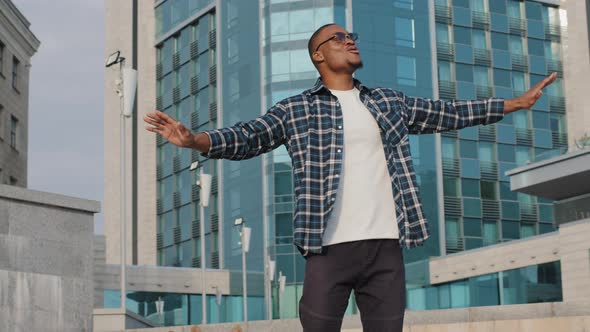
x: 447, y: 89
x: 517, y: 26
x: 482, y: 57
x: 480, y: 20
x: 519, y: 62
x: 445, y: 51
x: 561, y: 177
x: 443, y: 14
x: 450, y: 167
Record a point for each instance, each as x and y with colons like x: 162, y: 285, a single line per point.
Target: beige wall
x: 576, y: 53
x: 18, y: 42
x: 118, y: 18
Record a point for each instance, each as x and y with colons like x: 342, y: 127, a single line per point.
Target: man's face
x: 337, y: 56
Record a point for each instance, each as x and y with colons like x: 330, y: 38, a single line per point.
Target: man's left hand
x: 529, y: 98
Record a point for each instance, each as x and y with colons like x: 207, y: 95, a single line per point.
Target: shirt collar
x: 319, y: 85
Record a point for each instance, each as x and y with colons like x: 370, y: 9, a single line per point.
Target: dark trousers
x: 373, y: 268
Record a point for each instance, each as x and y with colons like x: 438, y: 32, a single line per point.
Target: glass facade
x: 497, y: 48
x: 186, y: 89
x: 186, y: 309
x: 530, y: 284
x: 482, y: 49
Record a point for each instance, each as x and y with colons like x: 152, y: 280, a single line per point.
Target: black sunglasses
x: 340, y: 37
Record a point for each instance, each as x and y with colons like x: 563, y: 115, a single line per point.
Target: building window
x: 15, y: 69
x: 13, y: 126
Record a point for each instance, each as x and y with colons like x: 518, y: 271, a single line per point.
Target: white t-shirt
x: 364, y: 207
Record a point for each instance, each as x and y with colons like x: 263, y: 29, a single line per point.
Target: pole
x: 244, y: 287
x: 203, y: 258
x: 123, y: 215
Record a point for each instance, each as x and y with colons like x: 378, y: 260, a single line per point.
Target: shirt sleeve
x: 249, y: 139
x: 431, y: 116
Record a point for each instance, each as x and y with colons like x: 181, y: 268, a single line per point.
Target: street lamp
x: 282, y: 281
x: 204, y: 184
x: 245, y: 243
x: 126, y: 86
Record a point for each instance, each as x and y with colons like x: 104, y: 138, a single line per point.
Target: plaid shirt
x: 310, y: 126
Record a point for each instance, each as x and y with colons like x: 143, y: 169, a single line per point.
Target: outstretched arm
x: 431, y: 116
x: 242, y: 141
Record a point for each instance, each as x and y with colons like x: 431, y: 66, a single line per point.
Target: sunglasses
x: 340, y: 37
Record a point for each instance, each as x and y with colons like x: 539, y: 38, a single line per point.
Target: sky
x: 66, y: 98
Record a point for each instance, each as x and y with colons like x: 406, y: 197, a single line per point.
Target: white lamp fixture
x: 129, y: 89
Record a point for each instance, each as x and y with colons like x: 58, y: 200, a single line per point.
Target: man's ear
x: 317, y: 57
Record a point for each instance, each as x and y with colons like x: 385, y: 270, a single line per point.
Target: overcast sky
x: 66, y: 98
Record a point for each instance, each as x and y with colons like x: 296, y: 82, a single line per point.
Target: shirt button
x: 339, y: 150
x: 333, y: 199
x: 339, y: 127
x: 337, y: 175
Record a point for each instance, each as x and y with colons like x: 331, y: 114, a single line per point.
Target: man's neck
x: 338, y: 81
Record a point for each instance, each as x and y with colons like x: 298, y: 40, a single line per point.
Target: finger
x: 548, y: 80
x: 166, y: 117
x: 151, y: 121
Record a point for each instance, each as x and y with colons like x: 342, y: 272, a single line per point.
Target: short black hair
x: 314, y: 36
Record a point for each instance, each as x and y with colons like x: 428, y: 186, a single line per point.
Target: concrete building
x: 46, y: 256
x: 18, y: 44
x: 211, y: 64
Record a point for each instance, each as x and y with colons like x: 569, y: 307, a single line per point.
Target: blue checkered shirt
x: 311, y: 128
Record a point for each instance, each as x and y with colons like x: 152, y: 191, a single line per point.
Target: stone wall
x: 46, y: 261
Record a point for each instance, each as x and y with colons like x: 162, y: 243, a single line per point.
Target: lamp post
x: 204, y: 184
x: 126, y: 86
x: 245, y: 244
x: 282, y: 281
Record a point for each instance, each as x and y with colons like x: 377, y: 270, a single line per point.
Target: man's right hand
x: 172, y: 130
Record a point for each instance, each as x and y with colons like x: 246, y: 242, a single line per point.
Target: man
x: 355, y: 187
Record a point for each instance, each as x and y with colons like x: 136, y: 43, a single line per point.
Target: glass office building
x: 220, y: 62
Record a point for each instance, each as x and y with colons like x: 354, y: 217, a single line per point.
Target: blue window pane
x: 502, y: 78
x: 479, y: 39
x: 468, y: 149
x: 506, y: 134
x: 462, y: 35
x: 498, y: 6
x: 470, y: 188
x: 516, y: 44
x: 506, y: 153
x: 518, y: 82
x: 473, y: 243
x: 510, y: 229
x: 505, y: 192
x: 538, y: 65
x: 535, y: 29
x: 533, y: 10
x: 465, y: 90
x: 404, y: 32
x: 546, y: 228
x: 503, y: 168
x: 534, y: 79
x: 472, y: 207
x: 461, y: 3
x: 481, y: 76
x: 406, y: 70
x: 442, y: 33
x: 462, y: 16
x: 471, y: 227
x: 541, y: 120
x: 499, y: 22
x: 464, y: 72
x: 470, y: 168
x: 501, y: 59
x: 510, y: 210
x: 463, y: 53
x: 536, y: 47
x: 543, y: 139
x: 499, y: 41
x: 444, y: 71
x: 470, y: 133
x: 502, y: 92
